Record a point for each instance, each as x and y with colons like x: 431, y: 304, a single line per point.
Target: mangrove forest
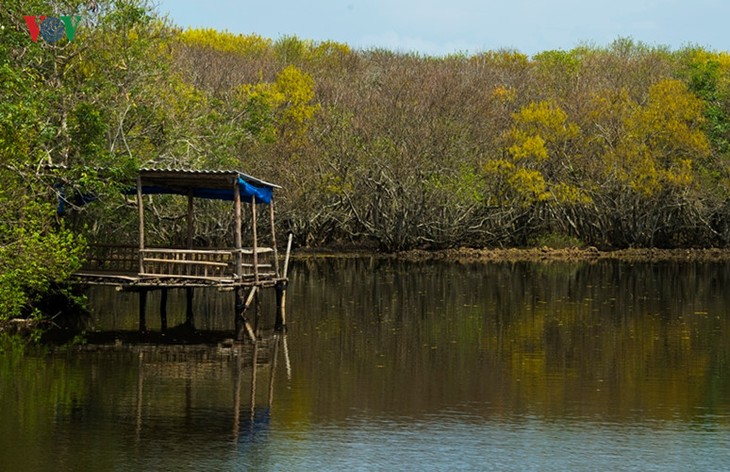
x: 624, y: 145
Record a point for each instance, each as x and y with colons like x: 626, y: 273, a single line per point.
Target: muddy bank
x: 523, y: 254
x: 568, y: 254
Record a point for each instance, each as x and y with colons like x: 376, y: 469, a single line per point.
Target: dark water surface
x: 400, y: 366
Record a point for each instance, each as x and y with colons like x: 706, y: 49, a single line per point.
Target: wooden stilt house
x: 243, y: 268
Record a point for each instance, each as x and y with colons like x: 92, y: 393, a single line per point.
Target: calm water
x: 401, y: 366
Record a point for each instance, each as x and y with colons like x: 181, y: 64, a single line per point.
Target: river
x: 391, y: 365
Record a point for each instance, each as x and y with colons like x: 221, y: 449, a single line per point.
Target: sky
x: 440, y: 27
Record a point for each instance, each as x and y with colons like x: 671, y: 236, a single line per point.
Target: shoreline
x: 543, y: 254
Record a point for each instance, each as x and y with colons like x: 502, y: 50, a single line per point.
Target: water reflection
x: 408, y: 366
x: 609, y: 340
x: 83, y: 410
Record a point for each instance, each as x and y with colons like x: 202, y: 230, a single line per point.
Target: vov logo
x: 52, y: 28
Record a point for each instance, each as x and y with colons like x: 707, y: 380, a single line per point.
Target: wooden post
x: 273, y: 237
x: 257, y: 315
x: 255, y: 241
x: 191, y: 222
x: 163, y: 310
x: 237, y: 230
x: 286, y: 259
x: 242, y: 324
x: 140, y: 208
x: 142, y: 313
x: 280, y: 324
x: 240, y: 307
x: 240, y: 304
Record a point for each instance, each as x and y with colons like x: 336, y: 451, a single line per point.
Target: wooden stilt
x: 142, y: 311
x: 255, y: 241
x: 273, y: 237
x: 286, y: 258
x: 242, y: 323
x: 140, y: 210
x: 163, y: 310
x: 237, y: 238
x: 238, y: 314
x: 280, y: 323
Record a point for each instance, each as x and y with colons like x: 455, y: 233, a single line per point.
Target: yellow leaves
x: 330, y: 52
x: 536, y: 125
x: 505, y: 94
x: 498, y: 167
x: 538, y: 168
x: 290, y: 49
x: 565, y: 193
x: 528, y: 146
x: 700, y: 56
x: 545, y: 118
x: 650, y: 146
x: 263, y: 92
x: 225, y: 41
x: 330, y: 48
x: 529, y: 184
x: 285, y: 104
x: 297, y: 88
x: 680, y: 174
x: 671, y: 121
x: 640, y: 172
x: 607, y: 108
x: 505, y: 58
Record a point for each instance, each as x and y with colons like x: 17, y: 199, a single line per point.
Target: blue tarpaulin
x: 210, y: 184
x: 248, y: 190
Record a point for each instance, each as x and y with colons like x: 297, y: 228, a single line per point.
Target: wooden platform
x: 178, y: 268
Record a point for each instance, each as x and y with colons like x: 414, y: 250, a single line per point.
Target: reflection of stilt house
x: 195, y: 367
x: 243, y: 269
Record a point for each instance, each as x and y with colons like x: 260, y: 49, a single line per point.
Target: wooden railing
x: 215, y: 264
x: 111, y: 258
x: 265, y: 262
x: 208, y: 264
x: 188, y: 263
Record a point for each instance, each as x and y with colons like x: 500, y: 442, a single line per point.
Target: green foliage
x: 620, y: 145
x: 707, y: 74
x: 87, y: 132
x: 62, y: 104
x: 34, y: 255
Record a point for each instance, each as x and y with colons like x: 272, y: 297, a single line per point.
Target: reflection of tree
x: 608, y: 338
